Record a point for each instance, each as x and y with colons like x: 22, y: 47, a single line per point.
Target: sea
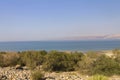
x: 89, y: 45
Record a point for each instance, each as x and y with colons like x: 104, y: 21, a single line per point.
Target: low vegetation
x: 61, y: 61
x: 32, y: 58
x: 90, y: 63
x: 8, y: 59
x: 99, y: 77
x: 37, y: 75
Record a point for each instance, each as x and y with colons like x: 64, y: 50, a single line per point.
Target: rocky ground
x: 64, y: 76
x: 11, y: 73
x: 19, y: 74
x: 14, y: 74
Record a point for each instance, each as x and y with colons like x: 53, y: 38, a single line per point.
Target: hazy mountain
x: 116, y: 36
x: 101, y: 37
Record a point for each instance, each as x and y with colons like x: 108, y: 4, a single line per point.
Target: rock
x: 50, y: 78
x: 4, y: 77
x: 0, y: 77
x: 18, y: 67
x: 25, y: 68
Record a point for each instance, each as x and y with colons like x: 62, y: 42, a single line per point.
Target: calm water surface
x: 60, y: 45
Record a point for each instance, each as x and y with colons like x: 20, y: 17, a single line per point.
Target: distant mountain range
x: 103, y: 37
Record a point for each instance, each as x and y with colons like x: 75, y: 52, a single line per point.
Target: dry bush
x: 10, y: 59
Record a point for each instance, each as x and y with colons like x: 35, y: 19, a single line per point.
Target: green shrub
x: 84, y: 64
x: 93, y: 54
x: 117, y: 59
x: 116, y: 55
x: 1, y: 60
x: 61, y: 61
x: 32, y: 58
x: 116, y: 52
x: 76, y: 56
x: 98, y: 77
x: 37, y: 75
x: 3, y: 52
x: 105, y: 65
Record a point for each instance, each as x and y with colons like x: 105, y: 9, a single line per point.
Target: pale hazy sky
x: 24, y: 20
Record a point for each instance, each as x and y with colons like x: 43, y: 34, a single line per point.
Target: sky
x: 35, y: 20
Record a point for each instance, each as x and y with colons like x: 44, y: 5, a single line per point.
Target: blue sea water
x: 60, y: 45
